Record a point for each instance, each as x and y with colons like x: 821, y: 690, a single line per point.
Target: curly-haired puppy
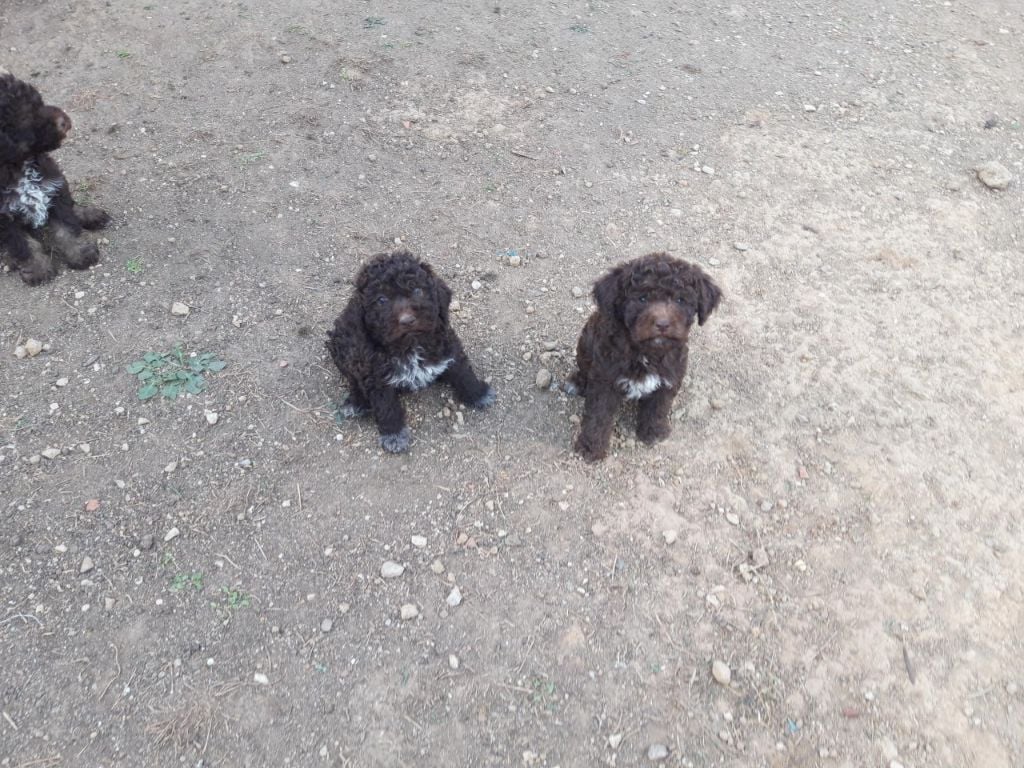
x: 394, y: 337
x: 38, y: 216
x: 634, y: 346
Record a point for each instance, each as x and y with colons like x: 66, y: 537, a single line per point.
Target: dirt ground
x: 836, y: 517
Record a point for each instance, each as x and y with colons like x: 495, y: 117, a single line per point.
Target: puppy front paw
x: 486, y: 400
x: 396, y: 443
x: 39, y: 268
x: 653, y: 432
x: 91, y: 217
x: 589, y: 450
x: 83, y: 254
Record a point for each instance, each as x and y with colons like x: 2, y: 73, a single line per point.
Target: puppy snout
x: 63, y: 124
x: 406, y: 317
x: 662, y: 324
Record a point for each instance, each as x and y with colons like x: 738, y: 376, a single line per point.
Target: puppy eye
x: 642, y: 299
x: 382, y: 299
x: 681, y: 301
x: 417, y: 292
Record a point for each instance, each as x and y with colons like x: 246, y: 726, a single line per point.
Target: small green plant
x: 83, y: 192
x: 124, y: 54
x: 236, y: 598
x: 253, y: 157
x: 184, y: 581
x: 134, y: 265
x: 581, y: 28
x: 171, y: 373
x: 543, y: 693
x: 373, y: 21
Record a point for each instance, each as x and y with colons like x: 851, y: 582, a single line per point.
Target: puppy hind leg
x: 468, y: 388
x: 354, y: 405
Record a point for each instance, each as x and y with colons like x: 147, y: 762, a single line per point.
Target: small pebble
x: 454, y: 597
x: 391, y: 570
x: 577, y: 292
x: 657, y: 752
x: 419, y: 541
x: 50, y: 452
x: 409, y: 611
x: 86, y: 566
x: 30, y: 348
x: 515, y: 260
x: 212, y: 417
x: 437, y: 567
x: 994, y: 175
x: 476, y: 285
x: 614, y: 740
x: 179, y: 309
x: 543, y: 378
x: 741, y: 246
x: 92, y: 505
x: 721, y: 672
x: 171, y: 467
x: 62, y: 381
x: 455, y: 306
x: 670, y: 536
x: 453, y: 661
x: 285, y: 58
x: 146, y: 542
x: 109, y: 603
x: 172, y: 534
x: 260, y: 678
x: 733, y: 518
x: 326, y: 625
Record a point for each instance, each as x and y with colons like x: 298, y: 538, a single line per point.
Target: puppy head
x: 656, y: 298
x: 27, y: 126
x: 402, y: 298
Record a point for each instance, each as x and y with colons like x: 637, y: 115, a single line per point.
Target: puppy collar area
x: 411, y: 372
x: 29, y: 199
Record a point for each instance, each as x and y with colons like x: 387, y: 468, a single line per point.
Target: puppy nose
x: 662, y: 324
x: 64, y: 124
x: 406, y: 318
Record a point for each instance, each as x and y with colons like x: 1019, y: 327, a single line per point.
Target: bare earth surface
x: 836, y: 517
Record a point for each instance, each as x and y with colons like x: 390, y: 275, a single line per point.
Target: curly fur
x: 634, y: 346
x: 394, y: 336
x: 39, y: 219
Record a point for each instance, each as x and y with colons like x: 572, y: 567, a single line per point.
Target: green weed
x: 172, y: 373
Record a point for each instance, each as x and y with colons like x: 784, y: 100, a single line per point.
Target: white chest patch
x: 634, y: 389
x: 413, y: 374
x: 29, y: 199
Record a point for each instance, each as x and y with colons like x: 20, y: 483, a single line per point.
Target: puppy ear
x: 444, y: 298
x: 607, y: 291
x: 708, y: 296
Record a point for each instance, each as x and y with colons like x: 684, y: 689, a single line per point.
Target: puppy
x: 38, y: 215
x: 634, y: 346
x: 394, y: 337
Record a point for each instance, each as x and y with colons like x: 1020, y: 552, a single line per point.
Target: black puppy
x: 38, y: 215
x: 394, y: 337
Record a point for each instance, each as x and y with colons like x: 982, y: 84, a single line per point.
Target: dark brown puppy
x: 394, y: 337
x: 634, y: 346
x: 38, y: 216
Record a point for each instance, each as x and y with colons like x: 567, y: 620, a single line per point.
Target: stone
x: 171, y: 467
x: 657, y: 752
x: 92, y: 505
x: 391, y: 570
x: 62, y: 381
x: 212, y: 417
x: 285, y: 58
x: 453, y: 661
x: 614, y: 740
x: 146, y: 542
x: 326, y: 625
x: 260, y: 679
x: 515, y: 260
x: 50, y: 452
x: 437, y: 567
x: 32, y: 347
x: 543, y: 378
x: 741, y: 246
x: 109, y: 603
x: 994, y: 175
x: 721, y: 672
x: 408, y: 612
x: 454, y: 597
x: 670, y: 536
x: 172, y: 534
x: 419, y: 541
x: 87, y: 565
x: 577, y: 292
x: 178, y: 309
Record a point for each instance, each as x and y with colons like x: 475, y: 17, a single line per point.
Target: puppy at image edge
x: 394, y: 336
x: 634, y: 346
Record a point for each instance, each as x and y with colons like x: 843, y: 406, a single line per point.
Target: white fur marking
x: 412, y: 373
x: 29, y: 200
x: 634, y: 389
